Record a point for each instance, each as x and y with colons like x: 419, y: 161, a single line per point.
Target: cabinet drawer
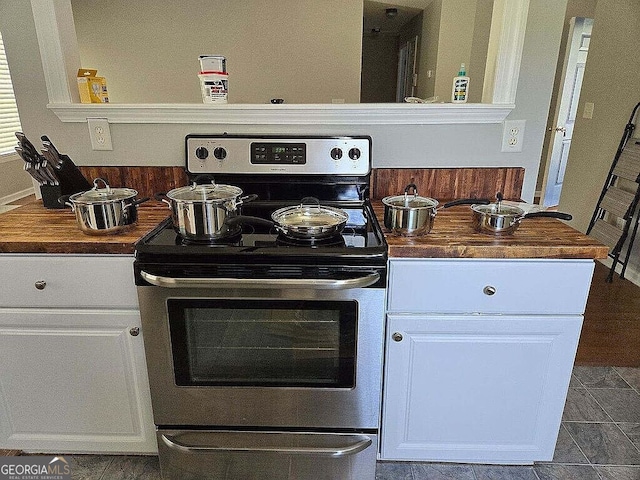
x: 69, y: 281
x: 489, y: 286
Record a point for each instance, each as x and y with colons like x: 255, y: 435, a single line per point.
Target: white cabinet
x: 73, y: 376
x: 479, y: 356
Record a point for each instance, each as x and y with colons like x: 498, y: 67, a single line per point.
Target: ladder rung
x: 628, y: 165
x: 606, y: 233
x: 617, y: 201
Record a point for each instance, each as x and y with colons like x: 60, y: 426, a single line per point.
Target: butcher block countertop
x: 32, y: 228
x: 453, y: 236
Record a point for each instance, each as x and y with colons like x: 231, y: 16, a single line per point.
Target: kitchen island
x: 481, y: 335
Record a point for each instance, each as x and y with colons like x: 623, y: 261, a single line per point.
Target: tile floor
x: 599, y: 440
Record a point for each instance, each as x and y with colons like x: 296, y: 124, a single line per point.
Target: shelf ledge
x: 298, y: 114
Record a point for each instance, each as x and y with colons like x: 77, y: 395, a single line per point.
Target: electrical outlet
x: 513, y: 135
x: 99, y: 134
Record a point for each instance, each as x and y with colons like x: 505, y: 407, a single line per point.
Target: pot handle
x: 137, y: 202
x: 409, y: 187
x: 64, y: 200
x: 246, y: 198
x: 560, y: 215
x: 204, y: 178
x: 162, y: 197
x: 467, y: 201
x: 240, y: 219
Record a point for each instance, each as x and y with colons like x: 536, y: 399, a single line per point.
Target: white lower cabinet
x: 73, y: 376
x: 472, y: 384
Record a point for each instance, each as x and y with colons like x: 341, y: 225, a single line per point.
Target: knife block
x: 50, y: 195
x: 70, y: 181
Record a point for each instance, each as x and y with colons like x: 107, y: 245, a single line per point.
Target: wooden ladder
x: 618, y: 202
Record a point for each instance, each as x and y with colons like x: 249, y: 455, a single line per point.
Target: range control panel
x: 269, y: 153
x: 238, y: 154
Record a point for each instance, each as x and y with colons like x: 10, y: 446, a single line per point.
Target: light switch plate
x: 513, y: 135
x: 99, y: 133
x: 588, y: 110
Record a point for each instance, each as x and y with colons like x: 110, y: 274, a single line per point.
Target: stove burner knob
x: 336, y: 153
x: 202, y: 153
x: 354, y: 153
x: 220, y: 153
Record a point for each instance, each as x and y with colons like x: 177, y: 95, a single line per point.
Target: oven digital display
x: 267, y: 153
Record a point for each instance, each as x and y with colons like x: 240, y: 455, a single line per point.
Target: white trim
x: 58, y: 48
x: 17, y: 196
x: 60, y: 59
x: 9, y: 157
x: 513, y: 27
x: 299, y: 114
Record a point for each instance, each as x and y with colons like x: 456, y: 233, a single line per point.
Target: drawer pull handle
x: 40, y: 284
x: 489, y: 290
x: 397, y: 337
x: 134, y: 331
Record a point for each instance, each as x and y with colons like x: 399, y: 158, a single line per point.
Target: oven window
x: 263, y: 342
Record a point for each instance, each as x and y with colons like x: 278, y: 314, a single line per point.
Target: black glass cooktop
x: 360, y: 239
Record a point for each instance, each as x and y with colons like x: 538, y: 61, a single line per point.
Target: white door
x: 476, y: 388
x: 407, y: 76
x: 566, y: 109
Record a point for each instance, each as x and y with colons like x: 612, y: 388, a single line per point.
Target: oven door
x: 264, y: 357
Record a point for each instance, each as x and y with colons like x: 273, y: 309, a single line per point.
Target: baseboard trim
x: 630, y: 273
x: 17, y: 196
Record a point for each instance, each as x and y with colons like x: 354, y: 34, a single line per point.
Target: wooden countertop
x: 453, y: 236
x: 32, y: 228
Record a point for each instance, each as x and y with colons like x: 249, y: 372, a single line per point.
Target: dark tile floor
x: 599, y: 439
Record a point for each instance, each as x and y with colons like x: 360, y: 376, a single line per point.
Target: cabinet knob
x: 489, y: 290
x: 40, y: 284
x: 397, y: 336
x: 134, y: 331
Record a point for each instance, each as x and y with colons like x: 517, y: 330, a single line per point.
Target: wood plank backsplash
x: 445, y: 184
x: 442, y: 184
x: 147, y: 181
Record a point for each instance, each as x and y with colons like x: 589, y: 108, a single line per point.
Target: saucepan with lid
x: 104, y: 211
x: 502, y: 218
x: 200, y: 211
x: 412, y: 215
x: 306, y: 221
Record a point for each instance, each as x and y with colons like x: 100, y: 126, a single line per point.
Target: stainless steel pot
x: 104, y: 211
x: 200, y: 212
x: 500, y: 219
x: 307, y: 221
x: 412, y: 215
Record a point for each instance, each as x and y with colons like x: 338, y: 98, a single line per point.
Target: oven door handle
x: 316, y: 283
x: 360, y: 442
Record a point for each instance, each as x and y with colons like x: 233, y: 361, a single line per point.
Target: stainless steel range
x: 265, y: 350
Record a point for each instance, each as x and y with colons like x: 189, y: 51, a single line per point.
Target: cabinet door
x: 487, y: 389
x: 73, y: 381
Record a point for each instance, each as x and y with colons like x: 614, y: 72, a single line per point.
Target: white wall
x: 393, y: 145
x: 611, y: 82
x: 14, y: 182
x: 303, y: 51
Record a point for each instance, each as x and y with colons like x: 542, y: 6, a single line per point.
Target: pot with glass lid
x: 104, y: 211
x: 200, y: 212
x: 412, y: 215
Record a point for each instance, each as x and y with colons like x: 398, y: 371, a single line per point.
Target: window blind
x: 9, y: 119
